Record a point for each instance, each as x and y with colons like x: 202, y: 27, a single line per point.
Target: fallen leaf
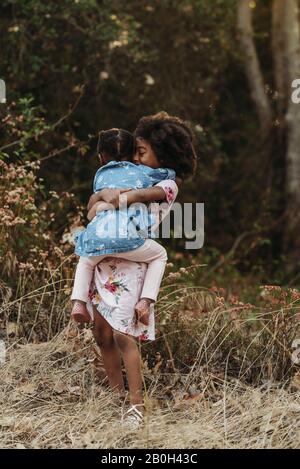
x: 7, y: 421
x: 60, y: 387
x: 90, y: 439
x: 88, y: 335
x: 12, y: 328
x: 75, y: 390
x: 27, y: 388
x: 187, y: 401
x: 295, y: 383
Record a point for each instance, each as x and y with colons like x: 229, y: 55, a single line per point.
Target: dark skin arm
x: 98, y: 207
x: 151, y: 194
x: 92, y: 212
x: 111, y: 196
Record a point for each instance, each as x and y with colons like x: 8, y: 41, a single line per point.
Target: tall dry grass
x: 54, y: 395
x: 220, y: 373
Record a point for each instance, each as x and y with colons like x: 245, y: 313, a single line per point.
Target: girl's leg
x: 132, y: 360
x: 104, y: 337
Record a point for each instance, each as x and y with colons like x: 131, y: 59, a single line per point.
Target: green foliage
x: 32, y: 218
x: 135, y: 58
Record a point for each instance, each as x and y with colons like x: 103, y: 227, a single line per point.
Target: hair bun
x: 116, y: 143
x: 161, y: 115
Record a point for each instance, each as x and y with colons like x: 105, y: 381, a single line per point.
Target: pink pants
x: 151, y: 253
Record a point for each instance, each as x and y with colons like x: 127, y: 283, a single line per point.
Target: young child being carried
x: 120, y: 233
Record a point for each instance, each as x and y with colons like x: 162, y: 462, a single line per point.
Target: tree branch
x: 52, y: 127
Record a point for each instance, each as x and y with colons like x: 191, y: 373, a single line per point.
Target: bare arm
x: 92, y: 212
x: 151, y: 194
x: 111, y: 196
x: 98, y: 207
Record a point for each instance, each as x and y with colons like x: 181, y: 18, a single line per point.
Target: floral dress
x: 117, y: 284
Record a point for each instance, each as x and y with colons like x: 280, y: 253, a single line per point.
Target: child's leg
x: 151, y: 252
x: 132, y: 361
x: 83, y: 278
x: 156, y: 257
x: 104, y: 337
x: 156, y: 269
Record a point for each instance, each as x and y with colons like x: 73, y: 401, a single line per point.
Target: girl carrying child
x: 161, y: 141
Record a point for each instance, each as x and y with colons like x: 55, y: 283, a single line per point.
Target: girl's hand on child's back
x: 110, y: 196
x: 101, y: 206
x: 98, y: 207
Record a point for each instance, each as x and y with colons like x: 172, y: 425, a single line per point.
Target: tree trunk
x: 252, y: 66
x: 292, y: 39
x: 279, y: 58
x: 281, y: 95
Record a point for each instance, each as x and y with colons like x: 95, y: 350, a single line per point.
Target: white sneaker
x: 133, y: 418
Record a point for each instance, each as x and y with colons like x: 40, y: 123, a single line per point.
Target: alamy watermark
x: 296, y: 353
x: 2, y: 92
x: 154, y: 221
x: 2, y: 352
x: 296, y: 94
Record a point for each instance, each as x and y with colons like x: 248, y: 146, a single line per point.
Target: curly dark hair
x: 171, y: 140
x: 117, y: 144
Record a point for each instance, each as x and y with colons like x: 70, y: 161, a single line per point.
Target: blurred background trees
x: 280, y: 121
x: 76, y: 66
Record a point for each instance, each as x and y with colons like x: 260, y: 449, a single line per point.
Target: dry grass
x: 54, y: 395
x: 219, y: 374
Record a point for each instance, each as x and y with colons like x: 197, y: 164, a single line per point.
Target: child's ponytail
x: 115, y: 144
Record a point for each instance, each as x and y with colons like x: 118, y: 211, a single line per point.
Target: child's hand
x: 142, y: 311
x: 94, y: 199
x: 142, y: 317
x: 110, y: 196
x: 101, y: 206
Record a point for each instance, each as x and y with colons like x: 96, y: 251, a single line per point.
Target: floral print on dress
x: 116, y: 290
x: 170, y: 195
x: 118, y: 283
x: 144, y: 336
x: 116, y: 287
